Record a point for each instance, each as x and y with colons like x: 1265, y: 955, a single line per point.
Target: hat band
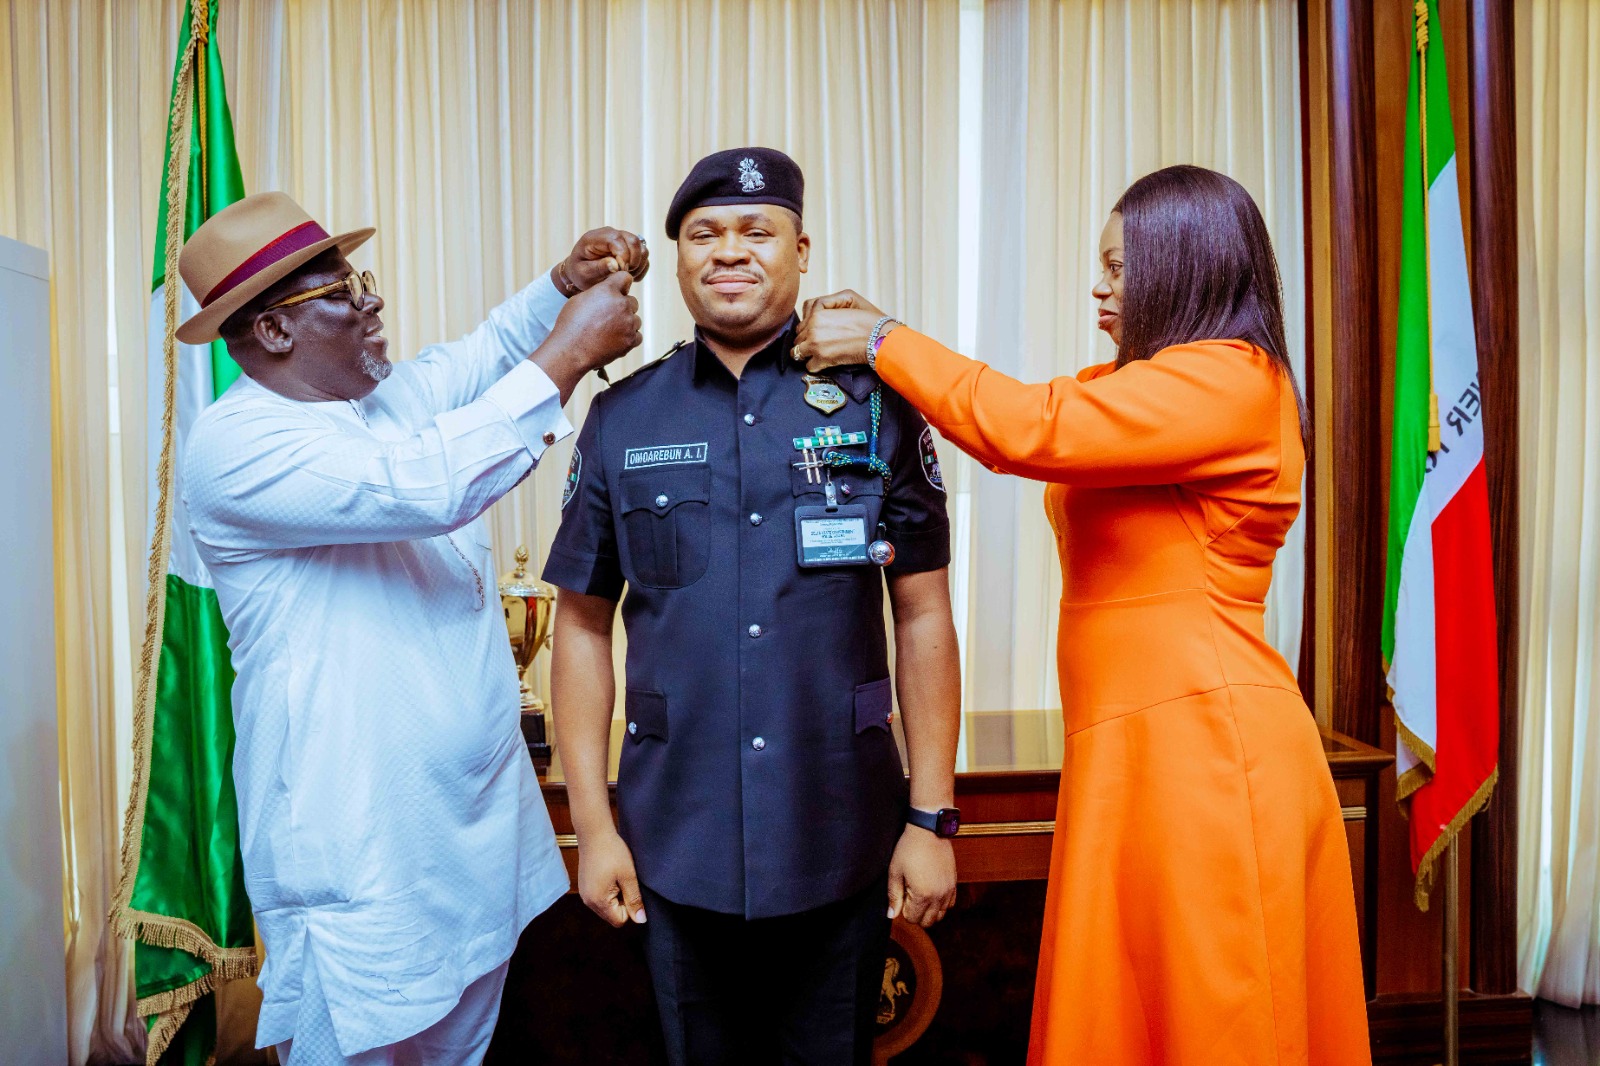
x: 302, y: 236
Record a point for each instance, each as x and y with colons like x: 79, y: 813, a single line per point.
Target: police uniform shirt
x: 759, y: 775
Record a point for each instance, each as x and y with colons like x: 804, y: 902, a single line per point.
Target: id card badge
x: 832, y: 537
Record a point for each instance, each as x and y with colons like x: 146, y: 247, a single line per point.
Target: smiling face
x: 327, y: 348
x: 1108, y: 290
x: 739, y: 268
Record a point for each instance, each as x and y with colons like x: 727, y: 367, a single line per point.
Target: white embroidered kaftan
x: 392, y: 828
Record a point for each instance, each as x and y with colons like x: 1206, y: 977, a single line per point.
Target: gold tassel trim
x: 178, y: 999
x: 156, y: 929
x: 172, y: 1008
x: 162, y: 1032
x: 1415, y: 744
x: 163, y: 931
x: 1425, y: 868
x: 1408, y: 783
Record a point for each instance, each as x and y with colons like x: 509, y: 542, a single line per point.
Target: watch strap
x: 929, y: 820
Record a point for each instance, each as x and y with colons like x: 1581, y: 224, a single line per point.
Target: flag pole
x: 1452, y: 982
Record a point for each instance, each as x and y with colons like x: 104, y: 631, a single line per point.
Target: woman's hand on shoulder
x: 834, y: 330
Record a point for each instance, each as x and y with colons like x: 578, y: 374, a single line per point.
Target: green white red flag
x: 1439, y: 621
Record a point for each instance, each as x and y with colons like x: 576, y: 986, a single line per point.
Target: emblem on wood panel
x: 913, y: 981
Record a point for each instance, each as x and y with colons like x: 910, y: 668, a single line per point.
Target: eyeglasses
x: 357, y: 285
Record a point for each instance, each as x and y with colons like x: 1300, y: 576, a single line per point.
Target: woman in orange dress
x: 1200, y: 908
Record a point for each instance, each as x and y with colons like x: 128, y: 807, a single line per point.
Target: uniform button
x: 755, y: 631
x: 755, y: 519
x: 549, y: 438
x: 633, y: 727
x: 758, y: 743
x: 749, y: 419
x: 661, y: 500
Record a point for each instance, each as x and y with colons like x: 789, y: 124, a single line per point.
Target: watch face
x: 948, y: 822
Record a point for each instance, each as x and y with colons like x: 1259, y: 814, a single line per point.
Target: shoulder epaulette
x: 652, y: 363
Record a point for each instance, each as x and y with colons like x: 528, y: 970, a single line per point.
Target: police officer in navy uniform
x: 754, y: 515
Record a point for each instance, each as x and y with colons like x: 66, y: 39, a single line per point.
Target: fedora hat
x: 245, y: 248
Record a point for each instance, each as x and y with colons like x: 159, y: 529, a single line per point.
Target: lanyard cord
x: 871, y: 460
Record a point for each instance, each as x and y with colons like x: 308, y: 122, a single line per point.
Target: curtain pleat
x: 1558, y: 189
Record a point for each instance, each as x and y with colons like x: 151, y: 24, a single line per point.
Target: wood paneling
x: 1318, y: 634
x: 1356, y: 590
x: 1306, y: 671
x: 1490, y: 64
x: 1495, y: 1030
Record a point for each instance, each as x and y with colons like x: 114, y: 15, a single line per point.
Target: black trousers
x: 800, y: 989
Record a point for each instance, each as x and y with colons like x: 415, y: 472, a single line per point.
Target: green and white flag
x: 182, y: 894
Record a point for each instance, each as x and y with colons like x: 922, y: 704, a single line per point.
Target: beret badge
x: 750, y: 179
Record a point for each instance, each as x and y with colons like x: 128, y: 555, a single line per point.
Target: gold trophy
x: 529, y: 607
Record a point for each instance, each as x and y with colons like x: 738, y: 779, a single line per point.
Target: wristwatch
x: 944, y: 822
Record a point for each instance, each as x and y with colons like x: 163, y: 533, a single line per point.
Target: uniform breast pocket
x: 666, y: 519
x: 850, y: 486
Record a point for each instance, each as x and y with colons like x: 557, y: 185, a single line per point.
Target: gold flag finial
x: 1421, y: 12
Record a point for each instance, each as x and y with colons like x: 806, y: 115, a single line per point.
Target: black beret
x: 738, y: 176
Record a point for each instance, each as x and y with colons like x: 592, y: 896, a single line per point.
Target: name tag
x: 664, y: 455
x: 831, y: 538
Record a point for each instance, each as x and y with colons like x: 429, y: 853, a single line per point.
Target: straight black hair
x: 1198, y: 265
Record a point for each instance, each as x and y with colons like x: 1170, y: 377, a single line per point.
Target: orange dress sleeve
x: 1192, y: 412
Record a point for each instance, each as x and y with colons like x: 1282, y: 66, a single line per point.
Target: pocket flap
x: 874, y: 706
x: 660, y: 490
x: 646, y: 713
x: 850, y: 482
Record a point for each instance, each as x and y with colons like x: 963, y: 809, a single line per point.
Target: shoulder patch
x: 574, y: 473
x: 929, y: 459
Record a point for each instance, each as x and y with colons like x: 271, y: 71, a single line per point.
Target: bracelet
x: 877, y: 339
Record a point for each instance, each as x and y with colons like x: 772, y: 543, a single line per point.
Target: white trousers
x: 460, y: 1038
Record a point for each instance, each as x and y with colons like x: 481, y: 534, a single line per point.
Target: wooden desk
x: 1007, y: 777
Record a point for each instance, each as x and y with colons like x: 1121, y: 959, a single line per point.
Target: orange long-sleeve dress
x: 1200, y: 908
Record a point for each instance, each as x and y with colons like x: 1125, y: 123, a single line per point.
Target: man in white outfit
x: 395, y: 842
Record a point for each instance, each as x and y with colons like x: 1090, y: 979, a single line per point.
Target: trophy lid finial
x: 518, y: 582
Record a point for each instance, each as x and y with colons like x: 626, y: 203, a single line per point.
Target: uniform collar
x: 706, y: 361
x: 857, y: 381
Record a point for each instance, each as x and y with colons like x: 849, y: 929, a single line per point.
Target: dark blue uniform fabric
x: 800, y: 990
x: 759, y: 775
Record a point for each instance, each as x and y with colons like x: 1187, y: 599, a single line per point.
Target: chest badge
x: 823, y: 393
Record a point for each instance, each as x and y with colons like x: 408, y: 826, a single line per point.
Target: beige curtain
x: 1081, y: 97
x: 1558, y: 219
x: 55, y: 185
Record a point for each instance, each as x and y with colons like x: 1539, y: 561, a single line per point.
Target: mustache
x: 730, y: 275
